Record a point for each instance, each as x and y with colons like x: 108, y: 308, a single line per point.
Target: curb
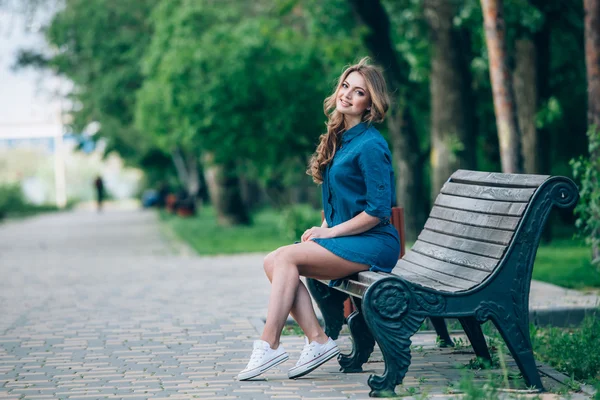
x: 562, y: 316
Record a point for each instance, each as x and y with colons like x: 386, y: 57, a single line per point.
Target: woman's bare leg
x: 284, y: 268
x: 302, y: 309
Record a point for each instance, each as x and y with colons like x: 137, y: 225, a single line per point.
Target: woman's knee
x: 269, y: 263
x: 272, y: 260
x: 284, y: 258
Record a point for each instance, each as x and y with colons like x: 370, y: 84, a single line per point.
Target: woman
x: 353, y: 165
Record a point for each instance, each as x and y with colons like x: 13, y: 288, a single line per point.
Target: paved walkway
x: 105, y: 306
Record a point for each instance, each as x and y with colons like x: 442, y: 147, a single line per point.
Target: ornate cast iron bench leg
x: 516, y: 335
x: 473, y: 330
x: 331, y: 304
x: 362, y: 341
x: 442, y: 331
x: 393, y: 313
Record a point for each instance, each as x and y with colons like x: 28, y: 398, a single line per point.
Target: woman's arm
x: 359, y: 224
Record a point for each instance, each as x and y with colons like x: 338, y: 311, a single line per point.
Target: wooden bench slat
x: 498, y: 179
x: 470, y: 274
x: 466, y: 245
x: 481, y: 206
x: 369, y: 277
x: 443, y: 279
x: 426, y: 281
x: 488, y: 192
x: 353, y: 287
x: 455, y: 257
x: 488, y: 235
x: 477, y: 219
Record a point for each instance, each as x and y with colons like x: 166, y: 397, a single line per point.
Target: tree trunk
x: 186, y: 165
x: 251, y: 192
x: 592, y: 61
x: 542, y: 48
x: 452, y: 133
x: 541, y: 40
x: 405, y: 143
x: 410, y: 188
x: 504, y: 104
x: 225, y: 192
x: 526, y: 96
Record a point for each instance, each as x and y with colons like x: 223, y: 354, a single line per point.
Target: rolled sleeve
x: 376, y: 167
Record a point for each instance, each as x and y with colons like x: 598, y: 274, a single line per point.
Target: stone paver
x: 100, y: 306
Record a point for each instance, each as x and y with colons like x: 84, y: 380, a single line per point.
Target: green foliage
x: 587, y: 172
x: 97, y: 46
x: 11, y: 199
x: 298, y: 218
x: 292, y: 330
x: 575, y: 352
x: 548, y: 113
x: 234, y: 81
x: 478, y: 363
x: 13, y: 203
x: 474, y: 391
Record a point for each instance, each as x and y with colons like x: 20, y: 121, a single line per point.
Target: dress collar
x: 354, y: 132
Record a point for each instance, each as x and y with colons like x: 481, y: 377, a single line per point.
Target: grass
x: 205, y: 236
x: 573, y: 351
x: 30, y: 210
x: 566, y: 263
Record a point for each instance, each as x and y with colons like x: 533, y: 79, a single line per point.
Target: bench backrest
x: 468, y: 230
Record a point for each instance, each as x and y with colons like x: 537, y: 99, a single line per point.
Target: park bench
x: 472, y: 261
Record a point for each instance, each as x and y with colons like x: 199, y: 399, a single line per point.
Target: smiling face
x: 352, y: 98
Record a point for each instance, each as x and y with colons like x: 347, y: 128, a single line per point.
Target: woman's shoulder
x: 374, y: 138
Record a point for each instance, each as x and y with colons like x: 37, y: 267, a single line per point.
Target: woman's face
x: 352, y: 98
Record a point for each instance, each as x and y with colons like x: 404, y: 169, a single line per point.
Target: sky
x: 27, y: 105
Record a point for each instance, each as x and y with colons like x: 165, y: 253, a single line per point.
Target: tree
x: 406, y: 146
x: 452, y: 116
x: 592, y: 58
x: 509, y: 135
x: 238, y: 87
x: 97, y: 45
x: 525, y: 79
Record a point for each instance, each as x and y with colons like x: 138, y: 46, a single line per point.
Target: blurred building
x: 56, y: 168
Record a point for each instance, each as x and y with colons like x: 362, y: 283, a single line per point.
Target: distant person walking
x: 99, y: 185
x: 353, y: 165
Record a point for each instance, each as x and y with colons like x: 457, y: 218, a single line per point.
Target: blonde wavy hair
x: 330, y: 141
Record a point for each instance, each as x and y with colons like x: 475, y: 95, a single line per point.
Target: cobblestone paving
x: 99, y: 306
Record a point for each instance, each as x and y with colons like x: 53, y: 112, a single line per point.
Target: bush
x: 12, y: 203
x: 587, y: 172
x: 11, y: 199
x: 298, y: 218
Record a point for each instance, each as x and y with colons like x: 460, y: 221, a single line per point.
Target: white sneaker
x: 263, y: 358
x: 313, y: 355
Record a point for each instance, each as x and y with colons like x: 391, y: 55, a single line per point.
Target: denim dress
x: 361, y: 178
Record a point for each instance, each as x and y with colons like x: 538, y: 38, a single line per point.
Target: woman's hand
x: 317, y: 232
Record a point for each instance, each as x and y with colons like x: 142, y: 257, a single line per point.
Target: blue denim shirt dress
x: 361, y: 178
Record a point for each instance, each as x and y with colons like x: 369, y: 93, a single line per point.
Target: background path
x: 105, y: 306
